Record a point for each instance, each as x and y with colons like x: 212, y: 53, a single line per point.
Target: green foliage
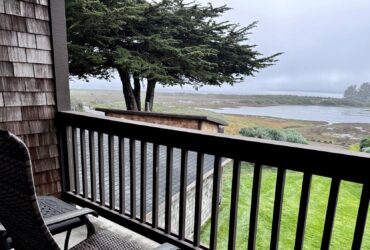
x: 366, y: 150
x: 355, y: 147
x: 365, y: 143
x: 287, y: 135
x: 363, y: 146
x: 171, y: 42
x: 294, y: 136
x: 95, y: 31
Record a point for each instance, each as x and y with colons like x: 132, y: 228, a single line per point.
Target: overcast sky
x: 325, y: 43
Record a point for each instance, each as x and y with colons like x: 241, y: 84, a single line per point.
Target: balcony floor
x: 79, y: 234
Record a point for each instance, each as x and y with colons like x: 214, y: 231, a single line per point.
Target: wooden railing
x: 98, y: 153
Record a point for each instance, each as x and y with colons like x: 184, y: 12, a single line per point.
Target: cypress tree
x: 169, y: 42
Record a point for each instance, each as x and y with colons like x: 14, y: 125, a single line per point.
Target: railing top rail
x: 316, y: 160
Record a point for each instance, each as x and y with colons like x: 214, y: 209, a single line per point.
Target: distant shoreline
x: 225, y: 89
x: 228, y: 93
x: 226, y: 100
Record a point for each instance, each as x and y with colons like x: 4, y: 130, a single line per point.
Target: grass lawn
x: 344, y: 224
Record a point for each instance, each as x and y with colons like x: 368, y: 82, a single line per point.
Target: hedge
x: 287, y: 135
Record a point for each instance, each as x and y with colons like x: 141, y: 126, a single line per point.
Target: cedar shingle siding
x: 27, y: 88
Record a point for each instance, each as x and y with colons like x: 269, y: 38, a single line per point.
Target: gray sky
x: 325, y: 44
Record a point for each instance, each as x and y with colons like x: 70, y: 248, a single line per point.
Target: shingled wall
x: 27, y: 88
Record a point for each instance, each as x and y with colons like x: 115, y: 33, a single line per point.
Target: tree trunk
x: 137, y: 91
x: 127, y: 90
x: 149, y: 98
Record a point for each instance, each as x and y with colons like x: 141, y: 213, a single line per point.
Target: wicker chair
x: 19, y: 210
x: 59, y: 216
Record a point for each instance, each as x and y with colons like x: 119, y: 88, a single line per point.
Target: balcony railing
x: 128, y: 171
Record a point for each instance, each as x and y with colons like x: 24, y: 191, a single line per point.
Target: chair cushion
x: 107, y: 240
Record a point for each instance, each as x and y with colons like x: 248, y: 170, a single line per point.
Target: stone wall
x: 27, y: 88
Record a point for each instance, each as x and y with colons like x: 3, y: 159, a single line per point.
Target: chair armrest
x: 70, y: 215
x: 167, y: 246
x: 64, y: 217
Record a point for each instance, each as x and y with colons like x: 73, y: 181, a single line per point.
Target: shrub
x: 366, y: 150
x: 287, y: 135
x: 295, y: 137
x: 355, y: 147
x: 276, y: 135
x: 254, y: 132
x: 365, y: 143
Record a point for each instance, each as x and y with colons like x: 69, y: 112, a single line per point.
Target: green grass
x: 344, y: 224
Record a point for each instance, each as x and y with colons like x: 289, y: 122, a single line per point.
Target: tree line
x: 168, y: 42
x: 361, y: 93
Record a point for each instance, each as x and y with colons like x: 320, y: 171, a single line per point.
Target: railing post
x: 155, y: 198
x: 143, y: 177
x: 101, y: 168
x: 76, y: 164
x: 361, y: 217
x: 215, y: 202
x: 83, y: 162
x: 169, y: 170
x: 234, y: 205
x: 278, y: 205
x: 64, y: 159
x: 330, y: 213
x: 112, y: 185
x: 92, y: 165
x: 198, y: 199
x: 303, y: 208
x: 133, y: 178
x: 183, y: 185
x: 122, y: 175
x: 253, y: 221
